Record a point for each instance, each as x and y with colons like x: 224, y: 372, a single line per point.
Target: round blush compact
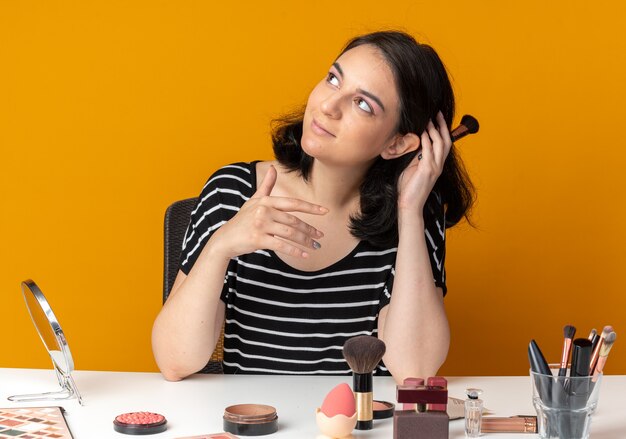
x: 250, y: 419
x: 383, y: 409
x: 140, y: 423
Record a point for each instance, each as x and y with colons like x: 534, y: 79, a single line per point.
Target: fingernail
x: 317, y: 245
x: 319, y: 233
x: 322, y: 209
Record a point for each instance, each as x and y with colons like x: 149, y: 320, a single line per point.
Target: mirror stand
x: 68, y: 391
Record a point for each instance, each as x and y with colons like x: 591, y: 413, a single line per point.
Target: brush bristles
x: 592, y: 334
x: 363, y: 353
x: 471, y: 123
x: 606, y: 331
x: 608, y: 344
x: 569, y: 331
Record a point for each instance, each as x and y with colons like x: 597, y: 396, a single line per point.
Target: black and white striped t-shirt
x: 280, y: 320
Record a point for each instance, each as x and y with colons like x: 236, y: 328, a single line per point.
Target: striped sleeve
x: 435, y: 231
x: 221, y: 198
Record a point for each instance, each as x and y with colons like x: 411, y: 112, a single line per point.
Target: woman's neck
x: 336, y: 188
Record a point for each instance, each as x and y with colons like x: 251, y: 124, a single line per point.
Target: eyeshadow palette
x: 33, y: 423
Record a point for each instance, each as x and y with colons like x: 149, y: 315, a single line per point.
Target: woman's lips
x: 318, y: 129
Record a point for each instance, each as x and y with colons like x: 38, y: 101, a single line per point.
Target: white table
x: 195, y: 406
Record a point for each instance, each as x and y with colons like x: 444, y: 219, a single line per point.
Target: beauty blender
x: 340, y: 400
x: 337, y: 416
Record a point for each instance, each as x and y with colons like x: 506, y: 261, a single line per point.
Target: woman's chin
x: 310, y: 146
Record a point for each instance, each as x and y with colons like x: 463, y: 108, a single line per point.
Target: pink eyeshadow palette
x: 34, y: 423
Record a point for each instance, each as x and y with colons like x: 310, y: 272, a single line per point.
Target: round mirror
x: 47, y: 326
x: 54, y: 340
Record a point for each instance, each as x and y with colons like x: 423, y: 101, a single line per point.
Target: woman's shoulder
x: 229, y: 185
x: 237, y: 169
x: 244, y: 170
x: 235, y: 176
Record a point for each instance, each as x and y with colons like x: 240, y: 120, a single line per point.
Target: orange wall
x: 111, y: 110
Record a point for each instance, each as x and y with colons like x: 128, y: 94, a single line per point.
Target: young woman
x: 342, y: 235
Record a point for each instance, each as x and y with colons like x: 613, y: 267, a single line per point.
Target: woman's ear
x: 402, y: 144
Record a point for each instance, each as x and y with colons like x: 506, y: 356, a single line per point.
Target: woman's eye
x: 363, y: 105
x: 332, y: 79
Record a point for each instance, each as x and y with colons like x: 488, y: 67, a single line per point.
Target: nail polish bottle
x: 473, y: 412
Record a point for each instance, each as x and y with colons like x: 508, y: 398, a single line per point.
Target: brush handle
x: 599, y: 367
x: 362, y: 384
x: 567, y: 344
x: 459, y: 132
x: 594, y: 355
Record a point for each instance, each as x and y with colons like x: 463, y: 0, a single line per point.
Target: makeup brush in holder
x: 363, y: 353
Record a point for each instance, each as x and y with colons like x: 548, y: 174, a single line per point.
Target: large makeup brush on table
x: 363, y: 353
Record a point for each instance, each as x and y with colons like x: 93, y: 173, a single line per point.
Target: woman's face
x: 352, y: 114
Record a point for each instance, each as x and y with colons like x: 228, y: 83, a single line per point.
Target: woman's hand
x: 263, y: 222
x: 418, y: 179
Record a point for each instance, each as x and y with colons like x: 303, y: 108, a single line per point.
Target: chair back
x: 176, y: 220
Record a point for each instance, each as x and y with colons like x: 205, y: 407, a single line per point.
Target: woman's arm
x: 185, y: 331
x: 414, y: 325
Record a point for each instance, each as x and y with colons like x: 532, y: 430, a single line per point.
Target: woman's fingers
x: 283, y: 203
x: 427, y: 146
x: 445, y: 133
x: 264, y: 222
x: 281, y: 246
x: 266, y: 186
x: 293, y: 205
x: 438, y: 139
x: 288, y: 227
x: 292, y: 235
x: 436, y: 142
x: 270, y: 226
x: 295, y: 222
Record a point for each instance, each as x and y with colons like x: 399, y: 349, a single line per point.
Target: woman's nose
x: 331, y: 106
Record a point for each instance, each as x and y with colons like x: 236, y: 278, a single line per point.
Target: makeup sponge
x: 337, y: 416
x: 340, y: 400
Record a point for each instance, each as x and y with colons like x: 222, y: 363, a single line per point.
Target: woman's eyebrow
x: 338, y: 67
x: 372, y: 97
x: 366, y: 93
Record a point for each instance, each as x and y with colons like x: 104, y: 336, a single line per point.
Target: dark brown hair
x: 424, y: 89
